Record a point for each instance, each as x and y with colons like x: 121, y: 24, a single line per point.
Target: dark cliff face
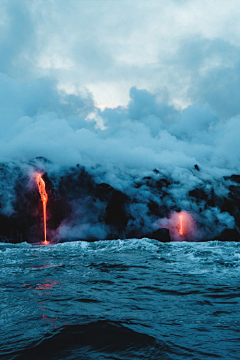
x: 81, y: 208
x: 67, y: 190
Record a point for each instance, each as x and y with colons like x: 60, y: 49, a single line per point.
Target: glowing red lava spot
x: 44, y: 198
x: 181, y: 225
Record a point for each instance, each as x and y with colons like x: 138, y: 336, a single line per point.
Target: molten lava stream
x: 44, y: 198
x: 181, y: 225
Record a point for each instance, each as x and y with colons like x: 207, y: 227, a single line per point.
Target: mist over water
x: 120, y: 299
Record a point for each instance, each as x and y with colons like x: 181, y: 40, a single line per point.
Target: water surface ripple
x: 120, y: 300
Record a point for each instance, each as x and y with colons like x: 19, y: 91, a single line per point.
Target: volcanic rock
x: 161, y: 235
x: 80, y: 206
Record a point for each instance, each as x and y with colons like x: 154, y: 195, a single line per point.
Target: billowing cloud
x: 183, y: 51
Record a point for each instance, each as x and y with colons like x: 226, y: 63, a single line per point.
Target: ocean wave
x: 95, y: 340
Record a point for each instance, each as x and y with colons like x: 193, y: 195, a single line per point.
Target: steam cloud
x: 36, y: 120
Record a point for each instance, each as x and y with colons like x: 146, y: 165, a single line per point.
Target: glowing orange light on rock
x: 44, y: 198
x: 181, y: 232
x: 182, y: 226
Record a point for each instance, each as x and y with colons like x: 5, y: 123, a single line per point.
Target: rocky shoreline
x: 81, y: 207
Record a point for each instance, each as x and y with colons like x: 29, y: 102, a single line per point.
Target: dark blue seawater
x: 133, y: 299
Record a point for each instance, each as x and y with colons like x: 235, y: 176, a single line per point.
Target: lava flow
x: 185, y: 226
x: 181, y: 225
x: 44, y: 198
x: 181, y: 232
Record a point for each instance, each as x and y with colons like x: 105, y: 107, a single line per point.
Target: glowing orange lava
x: 44, y: 198
x: 181, y: 225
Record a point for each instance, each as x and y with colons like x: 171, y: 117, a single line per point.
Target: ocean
x: 120, y: 299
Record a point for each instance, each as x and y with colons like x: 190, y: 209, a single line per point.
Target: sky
x: 183, y: 51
